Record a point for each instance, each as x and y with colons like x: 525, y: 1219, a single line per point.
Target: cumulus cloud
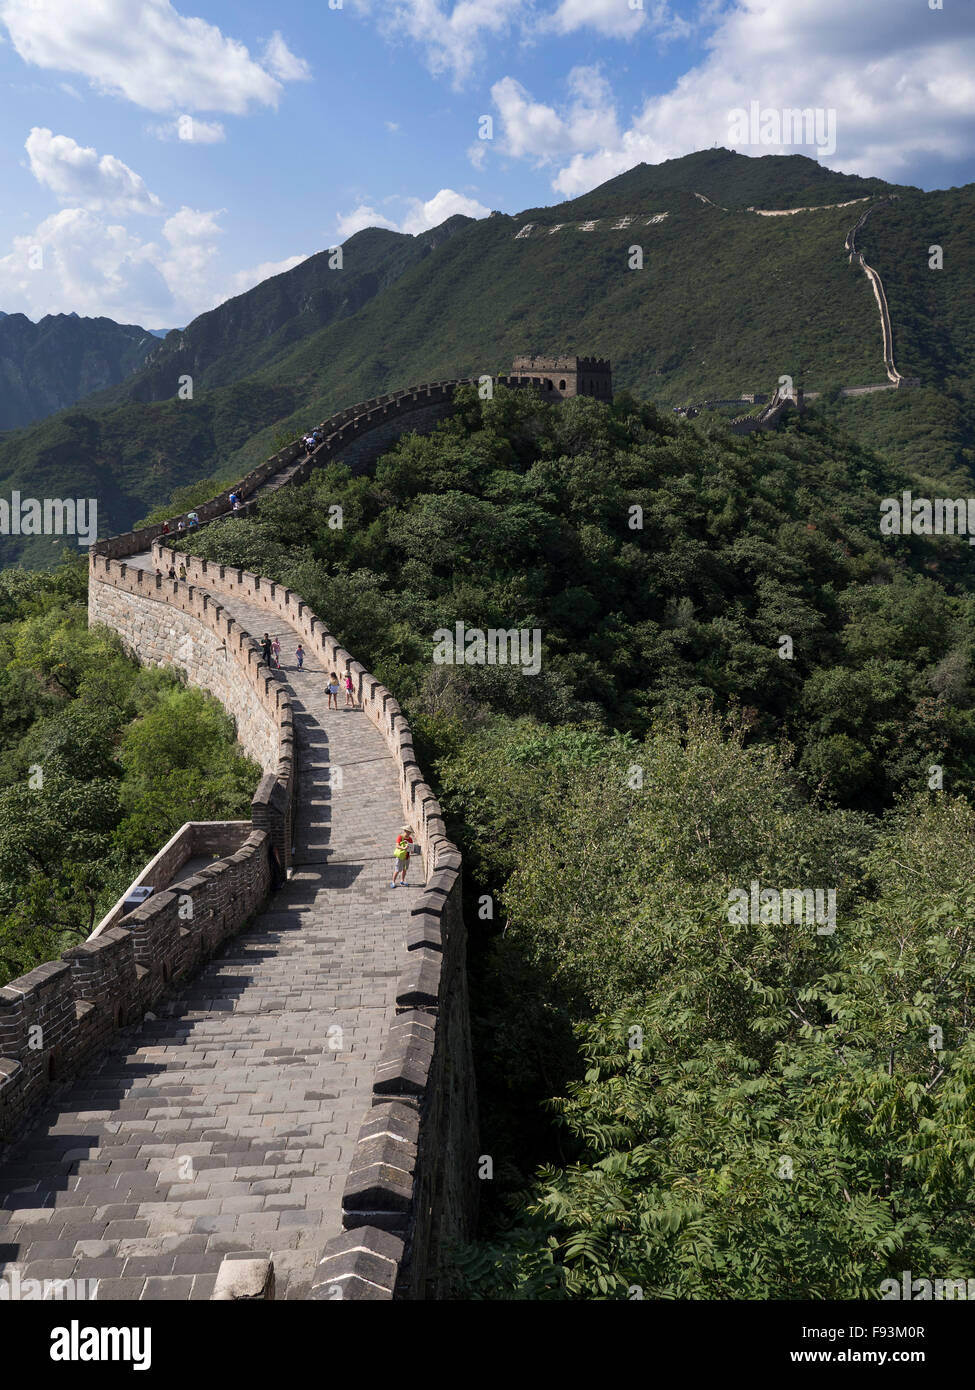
x: 420, y: 215
x: 361, y: 217
x: 615, y: 20
x: 279, y: 59
x: 901, y: 86
x: 454, y: 33
x: 533, y: 130
x: 76, y: 174
x: 424, y: 215
x: 147, y: 52
x: 76, y: 260
x: 243, y: 280
x: 81, y: 261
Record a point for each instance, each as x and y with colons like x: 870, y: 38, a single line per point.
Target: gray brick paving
x: 228, y: 1123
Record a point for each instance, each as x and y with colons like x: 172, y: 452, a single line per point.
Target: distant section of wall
x: 170, y: 623
x: 341, y: 431
x: 886, y: 327
x: 55, y: 1020
x: 217, y: 839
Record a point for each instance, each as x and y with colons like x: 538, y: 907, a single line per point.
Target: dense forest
x: 743, y: 682
x: 101, y: 760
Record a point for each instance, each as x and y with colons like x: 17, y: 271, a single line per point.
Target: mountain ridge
x: 52, y: 363
x: 726, y: 301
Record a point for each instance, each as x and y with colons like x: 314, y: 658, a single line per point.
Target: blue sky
x: 157, y: 157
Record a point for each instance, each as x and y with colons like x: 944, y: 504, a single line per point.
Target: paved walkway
x: 228, y: 1124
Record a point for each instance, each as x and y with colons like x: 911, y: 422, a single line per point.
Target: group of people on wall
x: 271, y: 652
x: 188, y: 523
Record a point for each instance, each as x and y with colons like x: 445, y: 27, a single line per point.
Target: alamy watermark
x: 783, y: 906
x: 783, y: 126
x: 925, y: 1290
x: 908, y: 515
x: 15, y: 1289
x: 497, y: 646
x: 54, y: 516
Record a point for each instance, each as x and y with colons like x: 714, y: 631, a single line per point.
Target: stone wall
x: 341, y: 430
x: 412, y: 1182
x: 169, y: 622
x: 55, y: 1020
x: 218, y: 839
x: 412, y: 1177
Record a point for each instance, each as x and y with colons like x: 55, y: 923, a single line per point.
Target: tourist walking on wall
x: 349, y: 694
x: 182, y: 571
x: 333, y: 691
x: 300, y: 654
x: 401, y: 853
x: 172, y: 571
x: 276, y: 649
x: 266, y: 649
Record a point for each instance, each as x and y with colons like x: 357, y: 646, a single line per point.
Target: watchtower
x: 565, y: 376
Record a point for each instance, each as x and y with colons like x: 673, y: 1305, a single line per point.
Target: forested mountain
x: 726, y: 301
x: 50, y: 364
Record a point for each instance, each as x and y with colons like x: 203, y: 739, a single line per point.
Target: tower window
x: 561, y: 385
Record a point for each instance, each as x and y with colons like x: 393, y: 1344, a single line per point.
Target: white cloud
x: 146, y: 51
x: 76, y: 260
x: 452, y: 34
x: 614, y: 19
x: 419, y: 217
x: 424, y: 215
x: 279, y: 59
x: 533, y: 130
x: 243, y: 280
x: 77, y: 175
x: 190, y: 130
x: 361, y: 217
x: 901, y: 85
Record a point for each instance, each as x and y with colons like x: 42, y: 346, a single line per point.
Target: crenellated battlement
x: 564, y: 376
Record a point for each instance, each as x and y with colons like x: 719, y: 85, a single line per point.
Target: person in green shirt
x: 401, y: 853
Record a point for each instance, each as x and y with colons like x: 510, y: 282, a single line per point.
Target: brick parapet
x: 56, y: 1019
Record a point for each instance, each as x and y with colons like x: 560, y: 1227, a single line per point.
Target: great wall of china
x: 261, y: 1077
x: 780, y: 403
x: 263, y: 1073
